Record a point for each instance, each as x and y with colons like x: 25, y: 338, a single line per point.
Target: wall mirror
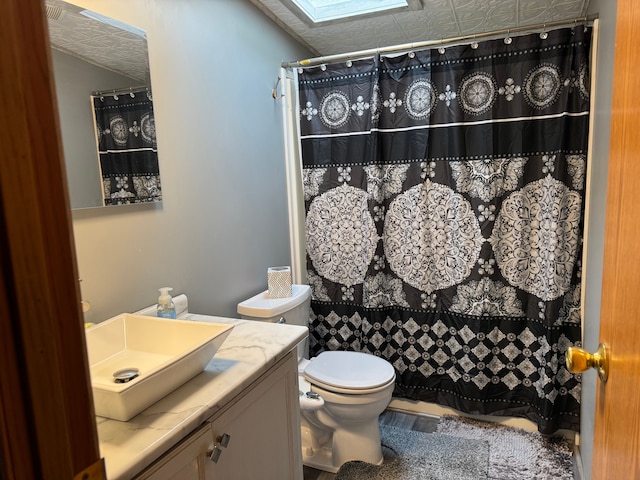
x: 99, y: 65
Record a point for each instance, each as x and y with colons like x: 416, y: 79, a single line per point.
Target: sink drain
x: 125, y: 375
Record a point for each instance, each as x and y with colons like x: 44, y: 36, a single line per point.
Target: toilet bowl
x: 342, y: 394
x: 355, y: 388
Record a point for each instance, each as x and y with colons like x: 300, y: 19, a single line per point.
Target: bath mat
x: 515, y: 454
x: 411, y: 455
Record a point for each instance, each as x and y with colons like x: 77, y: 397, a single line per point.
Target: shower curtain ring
x: 508, y: 38
x: 544, y: 34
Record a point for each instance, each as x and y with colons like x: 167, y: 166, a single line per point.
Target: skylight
x: 325, y: 10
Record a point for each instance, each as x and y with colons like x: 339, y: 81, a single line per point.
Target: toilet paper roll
x: 279, y: 281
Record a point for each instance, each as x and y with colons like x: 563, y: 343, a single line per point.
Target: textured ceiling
x: 95, y: 42
x: 426, y: 20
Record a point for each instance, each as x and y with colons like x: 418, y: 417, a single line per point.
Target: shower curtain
x: 444, y: 197
x: 127, y: 149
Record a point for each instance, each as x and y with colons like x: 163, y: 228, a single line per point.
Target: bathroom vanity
x: 238, y: 419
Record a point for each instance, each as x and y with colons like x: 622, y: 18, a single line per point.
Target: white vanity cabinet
x: 184, y: 461
x: 256, y: 435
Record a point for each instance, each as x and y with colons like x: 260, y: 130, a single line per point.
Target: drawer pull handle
x: 223, y: 440
x: 214, y: 453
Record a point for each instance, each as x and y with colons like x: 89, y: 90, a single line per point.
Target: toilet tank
x: 293, y: 310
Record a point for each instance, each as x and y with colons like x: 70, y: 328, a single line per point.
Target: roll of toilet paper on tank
x: 279, y: 281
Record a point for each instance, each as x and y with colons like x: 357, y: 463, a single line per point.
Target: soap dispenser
x: 166, y: 308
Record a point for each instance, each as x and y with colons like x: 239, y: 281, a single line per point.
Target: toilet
x: 342, y: 393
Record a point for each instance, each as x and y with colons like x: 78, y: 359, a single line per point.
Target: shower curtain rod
x: 447, y: 41
x: 120, y: 91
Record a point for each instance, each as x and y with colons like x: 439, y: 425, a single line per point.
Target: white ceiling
x: 95, y: 42
x: 430, y: 20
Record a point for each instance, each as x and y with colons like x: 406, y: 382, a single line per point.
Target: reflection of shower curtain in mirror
x: 444, y: 217
x: 126, y: 134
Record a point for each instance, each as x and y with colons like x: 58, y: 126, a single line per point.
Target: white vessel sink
x: 166, y: 353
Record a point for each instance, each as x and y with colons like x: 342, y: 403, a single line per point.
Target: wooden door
x: 616, y: 449
x: 47, y: 425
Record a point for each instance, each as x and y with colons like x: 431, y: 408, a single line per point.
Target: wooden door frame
x: 47, y: 421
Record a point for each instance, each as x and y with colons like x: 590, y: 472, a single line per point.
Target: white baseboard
x: 434, y: 410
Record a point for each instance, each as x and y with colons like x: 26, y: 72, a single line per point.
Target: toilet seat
x: 349, y: 372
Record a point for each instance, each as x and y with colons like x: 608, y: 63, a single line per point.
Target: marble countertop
x: 250, y: 350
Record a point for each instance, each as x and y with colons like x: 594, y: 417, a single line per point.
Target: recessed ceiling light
x: 325, y: 10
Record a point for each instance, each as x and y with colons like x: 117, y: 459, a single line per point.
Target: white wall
x: 223, y: 220
x: 224, y: 216
x: 606, y: 10
x: 75, y: 81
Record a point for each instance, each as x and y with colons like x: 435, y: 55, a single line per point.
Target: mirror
x: 92, y: 53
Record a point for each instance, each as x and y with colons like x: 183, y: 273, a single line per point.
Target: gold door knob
x: 579, y: 360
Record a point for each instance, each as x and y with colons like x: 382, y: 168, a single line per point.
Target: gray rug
x: 515, y: 454
x: 410, y: 455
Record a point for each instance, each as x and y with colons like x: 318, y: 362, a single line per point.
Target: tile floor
x: 420, y: 423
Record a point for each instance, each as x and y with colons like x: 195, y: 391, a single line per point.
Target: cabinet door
x: 263, y: 429
x: 185, y: 461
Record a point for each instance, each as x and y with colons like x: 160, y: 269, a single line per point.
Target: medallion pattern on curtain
x: 127, y: 148
x: 444, y: 194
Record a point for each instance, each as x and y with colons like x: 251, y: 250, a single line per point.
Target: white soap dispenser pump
x: 166, y: 308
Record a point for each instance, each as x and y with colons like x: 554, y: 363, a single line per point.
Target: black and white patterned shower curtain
x: 444, y: 194
x: 126, y: 133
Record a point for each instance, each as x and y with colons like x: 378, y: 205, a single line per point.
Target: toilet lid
x: 351, y: 370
